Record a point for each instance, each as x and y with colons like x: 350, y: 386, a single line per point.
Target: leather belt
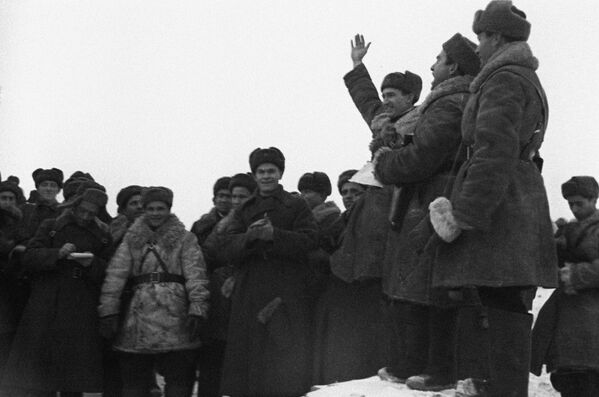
x: 157, y: 277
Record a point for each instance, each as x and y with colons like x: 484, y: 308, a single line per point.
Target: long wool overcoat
x: 57, y: 345
x: 499, y: 193
x: 268, y: 345
x: 566, y: 333
x: 154, y: 321
x: 424, y: 166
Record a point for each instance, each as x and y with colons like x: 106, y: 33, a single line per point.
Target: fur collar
x: 325, y: 209
x: 168, y: 235
x: 450, y: 86
x: 516, y: 53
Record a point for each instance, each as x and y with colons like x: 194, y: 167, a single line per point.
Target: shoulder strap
x: 152, y: 249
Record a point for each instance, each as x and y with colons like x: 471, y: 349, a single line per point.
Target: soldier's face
x: 396, y: 102
x: 582, y: 207
x: 7, y: 199
x: 488, y: 43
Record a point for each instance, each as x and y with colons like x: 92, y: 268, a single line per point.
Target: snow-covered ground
x: 374, y: 387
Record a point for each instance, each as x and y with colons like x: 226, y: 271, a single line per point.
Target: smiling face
x: 267, y: 177
x: 157, y: 213
x: 396, y: 102
x: 48, y: 191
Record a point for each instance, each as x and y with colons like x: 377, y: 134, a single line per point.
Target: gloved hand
x: 442, y: 219
x: 109, y: 326
x: 195, y: 325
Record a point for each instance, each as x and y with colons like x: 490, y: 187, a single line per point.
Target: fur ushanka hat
x: 501, y: 16
x: 407, y: 82
x: 316, y: 181
x: 463, y: 52
x: 271, y: 155
x: 585, y: 186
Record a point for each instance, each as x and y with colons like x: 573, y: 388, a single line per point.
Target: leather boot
x: 510, y: 352
x: 494, y: 345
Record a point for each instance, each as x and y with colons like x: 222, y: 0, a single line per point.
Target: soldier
x: 494, y: 242
x: 566, y: 336
x: 425, y: 168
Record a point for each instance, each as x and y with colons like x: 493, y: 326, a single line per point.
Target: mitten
x: 442, y: 219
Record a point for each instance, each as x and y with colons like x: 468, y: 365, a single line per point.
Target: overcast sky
x: 179, y: 93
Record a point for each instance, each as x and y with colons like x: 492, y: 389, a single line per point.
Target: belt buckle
x: 77, y: 272
x: 155, y: 277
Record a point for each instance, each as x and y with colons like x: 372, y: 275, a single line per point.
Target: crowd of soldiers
x: 426, y: 278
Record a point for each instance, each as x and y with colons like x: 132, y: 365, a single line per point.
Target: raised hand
x: 358, y: 49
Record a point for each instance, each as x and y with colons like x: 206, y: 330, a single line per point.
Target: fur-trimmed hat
x: 315, y: 181
x: 157, y: 193
x: 407, y: 82
x: 271, y: 155
x: 54, y: 174
x: 501, y: 16
x: 220, y: 184
x: 344, y: 177
x: 9, y: 186
x: 244, y: 180
x: 463, y: 52
x: 72, y: 184
x: 79, y: 188
x: 585, y: 186
x: 94, y: 196
x: 122, y: 198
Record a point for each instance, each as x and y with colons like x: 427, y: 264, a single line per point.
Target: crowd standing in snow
x: 427, y: 277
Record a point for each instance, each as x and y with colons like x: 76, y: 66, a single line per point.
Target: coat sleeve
x: 495, y: 151
x: 40, y: 256
x: 302, y: 238
x: 117, y: 273
x: 585, y: 275
x: 436, y: 140
x: 363, y: 93
x: 194, y: 271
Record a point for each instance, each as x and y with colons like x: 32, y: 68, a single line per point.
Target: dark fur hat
x: 407, y: 82
x: 220, y: 184
x: 94, y: 196
x: 157, y: 193
x: 585, y: 186
x: 344, y: 177
x: 271, y: 155
x: 122, y: 198
x: 72, y: 184
x: 9, y: 186
x: 54, y: 174
x: 244, y: 180
x: 463, y: 52
x: 501, y: 16
x: 315, y: 181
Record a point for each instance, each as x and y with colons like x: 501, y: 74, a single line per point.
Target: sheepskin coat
x: 566, y: 333
x: 425, y: 167
x: 155, y: 318
x: 268, y: 345
x: 499, y: 197
x: 57, y: 345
